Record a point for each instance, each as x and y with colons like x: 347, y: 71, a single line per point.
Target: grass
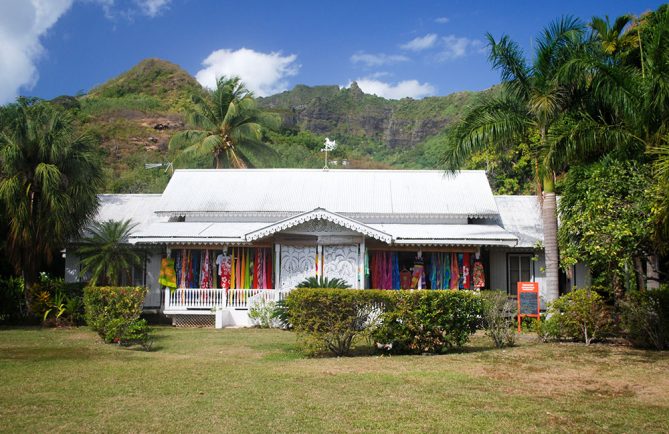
x: 249, y: 380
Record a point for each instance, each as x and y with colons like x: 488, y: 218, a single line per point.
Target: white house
x: 239, y: 234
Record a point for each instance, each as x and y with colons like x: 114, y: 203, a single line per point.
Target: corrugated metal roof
x: 140, y: 208
x: 521, y: 215
x: 354, y: 193
x: 429, y: 234
x: 192, y: 232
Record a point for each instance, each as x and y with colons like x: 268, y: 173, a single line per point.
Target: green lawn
x: 249, y: 380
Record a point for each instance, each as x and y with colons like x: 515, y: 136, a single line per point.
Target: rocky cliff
x: 348, y: 111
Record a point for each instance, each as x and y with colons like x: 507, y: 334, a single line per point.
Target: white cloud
x: 152, y: 8
x: 421, y: 43
x: 263, y: 73
x: 378, y: 59
x: 454, y: 47
x: 403, y: 89
x: 22, y: 23
x: 442, y: 20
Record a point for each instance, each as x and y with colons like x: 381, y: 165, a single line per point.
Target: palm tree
x: 49, y: 177
x: 532, y: 101
x: 227, y: 125
x: 106, y: 254
x: 616, y: 38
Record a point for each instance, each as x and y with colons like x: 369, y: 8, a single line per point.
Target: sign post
x: 528, y: 301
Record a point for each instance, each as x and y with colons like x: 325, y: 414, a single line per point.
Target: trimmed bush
x: 429, y: 321
x: 499, y: 317
x: 645, y: 318
x: 114, y: 313
x: 330, y: 319
x: 581, y: 315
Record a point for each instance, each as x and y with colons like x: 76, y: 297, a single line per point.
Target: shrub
x: 114, y: 313
x: 56, y: 303
x: 264, y: 314
x: 12, y: 300
x: 645, y: 318
x: 323, y: 282
x: 330, y: 319
x: 499, y: 315
x: 581, y: 315
x: 429, y: 321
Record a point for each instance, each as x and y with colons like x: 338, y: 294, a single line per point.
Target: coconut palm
x: 532, y: 100
x: 49, y: 177
x: 106, y: 255
x: 227, y: 125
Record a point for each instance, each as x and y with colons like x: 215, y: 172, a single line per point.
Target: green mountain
x: 134, y: 115
x: 350, y: 112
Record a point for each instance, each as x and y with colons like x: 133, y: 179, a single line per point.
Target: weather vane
x: 330, y: 145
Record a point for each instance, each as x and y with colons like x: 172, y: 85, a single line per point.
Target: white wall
x: 152, y: 273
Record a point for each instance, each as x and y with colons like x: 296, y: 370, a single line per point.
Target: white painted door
x: 297, y: 263
x: 341, y: 262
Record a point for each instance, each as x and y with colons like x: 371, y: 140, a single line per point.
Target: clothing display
x: 425, y: 270
x: 168, y: 276
x: 384, y: 269
x: 454, y: 282
x: 478, y: 275
x: 417, y: 274
x: 439, y: 270
x: 466, y: 276
x: 405, y: 279
x: 243, y: 268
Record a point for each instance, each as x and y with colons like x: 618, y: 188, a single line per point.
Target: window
x: 520, y: 270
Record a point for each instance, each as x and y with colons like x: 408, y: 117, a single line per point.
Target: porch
x: 196, y: 307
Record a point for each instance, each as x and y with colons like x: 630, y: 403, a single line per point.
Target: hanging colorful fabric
x: 466, y: 275
x: 455, y: 272
x: 478, y: 275
x: 168, y: 276
x: 205, y: 271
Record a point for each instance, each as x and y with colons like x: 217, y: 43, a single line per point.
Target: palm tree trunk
x: 549, y: 216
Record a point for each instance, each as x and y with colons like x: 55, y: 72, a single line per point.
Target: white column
x: 361, y: 264
x: 319, y: 261
x: 167, y: 298
x: 277, y: 266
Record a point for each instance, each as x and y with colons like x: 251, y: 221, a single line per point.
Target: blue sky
x: 392, y: 48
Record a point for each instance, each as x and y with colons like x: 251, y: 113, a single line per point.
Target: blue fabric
x: 396, y: 270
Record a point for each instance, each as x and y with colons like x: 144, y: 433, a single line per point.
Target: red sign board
x: 529, y: 304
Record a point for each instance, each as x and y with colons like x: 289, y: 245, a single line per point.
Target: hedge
x: 430, y: 321
x: 330, y: 319
x: 114, y: 313
x: 425, y: 321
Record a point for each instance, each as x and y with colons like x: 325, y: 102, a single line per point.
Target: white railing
x: 194, y: 298
x: 199, y: 298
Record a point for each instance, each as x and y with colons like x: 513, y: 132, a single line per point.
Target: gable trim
x: 319, y: 214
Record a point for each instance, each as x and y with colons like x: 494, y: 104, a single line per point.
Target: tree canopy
x: 49, y: 177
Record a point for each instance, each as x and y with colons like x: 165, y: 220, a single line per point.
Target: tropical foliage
x: 532, y: 101
x: 49, y: 177
x: 106, y: 255
x: 227, y: 125
x: 605, y: 222
x: 323, y: 282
